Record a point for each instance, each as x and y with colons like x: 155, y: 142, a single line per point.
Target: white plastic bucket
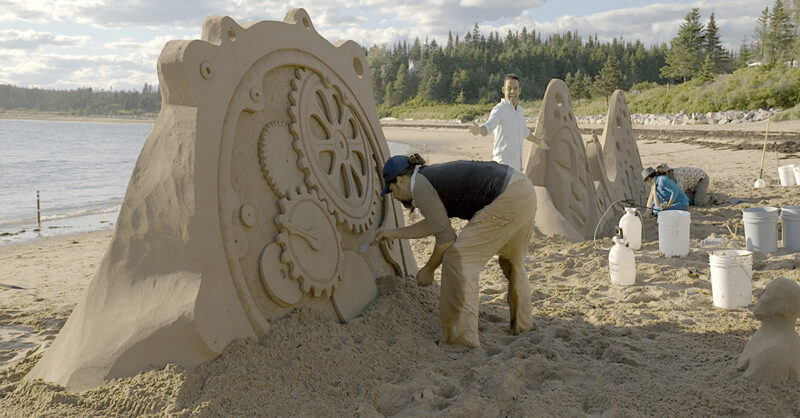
x: 731, y: 278
x: 786, y: 174
x: 796, y: 171
x: 790, y: 224
x: 673, y: 232
x: 761, y: 228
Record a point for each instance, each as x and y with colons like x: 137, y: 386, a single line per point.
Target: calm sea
x: 81, y: 170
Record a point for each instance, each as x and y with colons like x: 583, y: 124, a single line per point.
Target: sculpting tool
x: 10, y: 286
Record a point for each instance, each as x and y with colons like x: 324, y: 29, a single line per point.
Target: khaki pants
x: 503, y: 227
x: 698, y: 195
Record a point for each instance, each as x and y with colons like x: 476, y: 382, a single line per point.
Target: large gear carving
x: 334, y: 149
x: 310, y: 242
x: 277, y: 157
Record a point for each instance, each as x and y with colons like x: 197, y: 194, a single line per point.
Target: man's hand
x: 387, y: 234
x: 538, y: 141
x: 425, y: 276
x: 476, y: 129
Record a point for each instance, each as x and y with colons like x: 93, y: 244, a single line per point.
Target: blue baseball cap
x: 393, y: 167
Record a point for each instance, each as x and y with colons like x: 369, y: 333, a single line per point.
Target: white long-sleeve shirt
x: 508, y: 126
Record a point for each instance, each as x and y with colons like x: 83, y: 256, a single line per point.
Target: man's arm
x: 489, y: 125
x: 417, y: 230
x: 651, y: 201
x: 476, y: 129
x: 425, y: 274
x: 537, y: 140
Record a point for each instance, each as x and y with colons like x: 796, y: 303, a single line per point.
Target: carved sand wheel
x: 310, y: 243
x: 334, y: 149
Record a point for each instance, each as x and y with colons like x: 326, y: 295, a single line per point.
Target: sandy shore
x: 659, y: 347
x: 73, y: 118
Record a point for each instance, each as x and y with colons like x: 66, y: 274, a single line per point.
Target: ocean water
x: 81, y: 170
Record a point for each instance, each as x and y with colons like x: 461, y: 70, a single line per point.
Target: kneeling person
x: 664, y: 193
x: 693, y: 181
x: 499, y: 203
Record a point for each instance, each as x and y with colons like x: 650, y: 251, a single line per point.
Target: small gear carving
x: 278, y: 158
x: 334, y: 149
x: 310, y: 242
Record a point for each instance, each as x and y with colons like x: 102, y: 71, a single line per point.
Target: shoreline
x: 57, y: 117
x: 787, y: 127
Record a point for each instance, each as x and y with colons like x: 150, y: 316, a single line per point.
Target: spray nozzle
x: 618, y: 233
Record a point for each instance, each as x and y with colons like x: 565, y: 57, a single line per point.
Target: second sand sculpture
x: 256, y: 192
x: 577, y: 180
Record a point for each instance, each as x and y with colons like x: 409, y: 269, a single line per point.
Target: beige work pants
x: 503, y: 227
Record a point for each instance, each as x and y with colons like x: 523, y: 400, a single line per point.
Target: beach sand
x: 658, y: 347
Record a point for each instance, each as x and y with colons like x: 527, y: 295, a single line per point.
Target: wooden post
x: 38, y: 211
x: 764, y: 151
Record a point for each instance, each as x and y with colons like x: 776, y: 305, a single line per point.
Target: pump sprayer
x: 631, y: 228
x: 621, y: 262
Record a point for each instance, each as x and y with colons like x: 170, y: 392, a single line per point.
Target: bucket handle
x: 749, y: 275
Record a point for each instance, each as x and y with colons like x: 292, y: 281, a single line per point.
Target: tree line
x: 696, y: 52
x: 82, y: 101
x: 472, y: 69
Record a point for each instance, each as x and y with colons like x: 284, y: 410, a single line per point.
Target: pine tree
x: 401, y: 88
x: 476, y: 35
x: 707, y: 72
x: 746, y: 54
x: 781, y: 34
x: 609, y: 78
x: 685, y: 57
x: 578, y: 85
x: 720, y: 60
x: 795, y: 13
x: 761, y: 36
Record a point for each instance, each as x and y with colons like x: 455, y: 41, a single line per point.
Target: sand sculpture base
x: 773, y: 353
x: 580, y: 179
x: 255, y: 193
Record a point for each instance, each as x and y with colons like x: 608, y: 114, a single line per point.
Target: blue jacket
x: 667, y: 189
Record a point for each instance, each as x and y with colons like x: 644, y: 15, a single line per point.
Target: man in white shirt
x: 508, y: 124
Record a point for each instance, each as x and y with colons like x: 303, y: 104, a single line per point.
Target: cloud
x: 142, y: 53
x: 70, y: 71
x: 32, y: 40
x: 652, y: 24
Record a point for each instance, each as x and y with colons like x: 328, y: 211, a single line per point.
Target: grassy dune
x: 745, y: 89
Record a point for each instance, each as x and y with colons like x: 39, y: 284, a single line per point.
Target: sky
x: 115, y: 44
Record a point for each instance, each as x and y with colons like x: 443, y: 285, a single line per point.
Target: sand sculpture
x: 256, y: 192
x: 577, y: 180
x: 773, y: 353
x: 615, y: 159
